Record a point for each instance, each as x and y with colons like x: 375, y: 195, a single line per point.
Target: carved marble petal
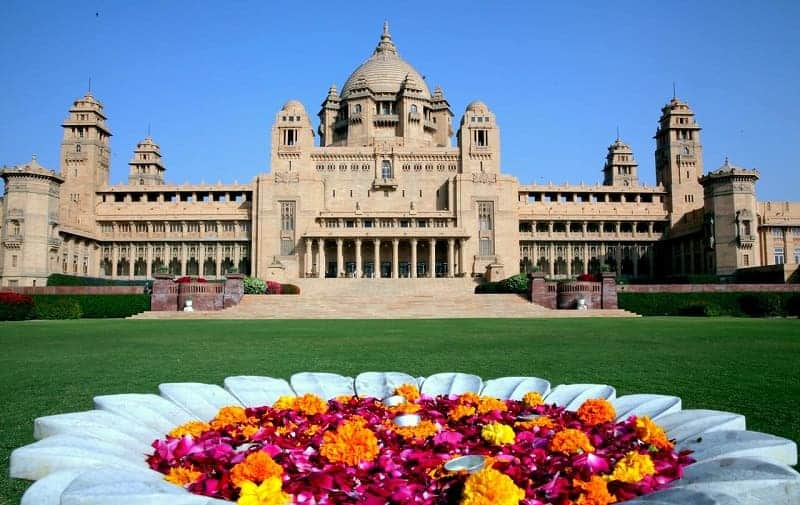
x: 96, y: 424
x: 514, y: 388
x: 47, y: 490
x: 381, y: 384
x: 652, y: 406
x: 739, y: 443
x: 322, y: 384
x: 571, y: 396
x: 256, y: 391
x: 451, y: 383
x: 687, y: 424
x: 202, y: 400
x: 685, y: 497
x: 148, y: 410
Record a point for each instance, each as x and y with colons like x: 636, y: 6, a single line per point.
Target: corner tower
x: 146, y: 167
x: 85, y: 155
x: 621, y: 168
x: 679, y: 159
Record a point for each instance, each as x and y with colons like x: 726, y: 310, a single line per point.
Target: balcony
x: 386, y: 119
x: 429, y: 125
x: 385, y: 183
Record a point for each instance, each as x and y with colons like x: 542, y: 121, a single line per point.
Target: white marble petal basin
x: 96, y: 457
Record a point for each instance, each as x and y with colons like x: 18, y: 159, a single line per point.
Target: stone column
x: 339, y: 257
x: 551, y: 254
x: 321, y: 266
x: 432, y: 258
x: 569, y: 260
x: 218, y: 260
x: 131, y: 261
x: 183, y: 258
x: 395, y: 258
x: 619, y: 258
x: 650, y: 229
x: 308, y: 258
x: 584, y: 228
x: 461, y: 269
x: 358, y: 258
x: 567, y: 230
x: 201, y: 260
x: 149, y: 260
x: 635, y: 258
x: 413, y: 258
x: 451, y: 257
x: 114, y: 259
x: 585, y: 257
x: 376, y: 270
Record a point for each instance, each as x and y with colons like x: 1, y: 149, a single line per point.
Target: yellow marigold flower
x: 488, y: 404
x: 182, y: 476
x: 469, y: 398
x: 268, y: 493
x: 423, y: 430
x: 498, y: 433
x: 490, y: 487
x: 310, y: 404
x: 651, y: 433
x: 229, y: 415
x: 541, y: 422
x: 633, y: 468
x: 249, y: 430
x: 256, y: 467
x: 593, y: 492
x: 409, y: 391
x: 193, y: 428
x: 596, y: 411
x: 405, y: 408
x: 460, y: 412
x: 285, y: 430
x: 311, y: 430
x: 284, y: 403
x: 345, y: 399
x: 570, y: 441
x: 532, y: 399
x: 350, y: 444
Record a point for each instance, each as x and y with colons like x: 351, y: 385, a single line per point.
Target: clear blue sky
x: 209, y: 77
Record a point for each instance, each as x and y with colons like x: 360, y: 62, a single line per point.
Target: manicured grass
x: 742, y: 365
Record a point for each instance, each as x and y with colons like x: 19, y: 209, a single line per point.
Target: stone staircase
x: 384, y: 299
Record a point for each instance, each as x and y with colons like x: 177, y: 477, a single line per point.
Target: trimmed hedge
x: 15, y: 307
x: 515, y: 284
x: 742, y: 304
x: 75, y: 280
x: 57, y: 308
x: 94, y: 306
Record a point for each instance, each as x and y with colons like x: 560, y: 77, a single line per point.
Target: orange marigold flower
x: 633, y: 468
x: 532, y: 399
x: 490, y: 487
x: 488, y: 404
x: 256, y: 467
x: 570, y: 441
x: 593, y: 492
x: 310, y: 404
x: 541, y: 422
x: 284, y: 403
x: 423, y: 430
x: 248, y: 430
x: 409, y: 391
x: 651, y: 433
x: 469, y: 398
x: 460, y: 412
x: 229, y: 415
x: 193, y: 428
x: 350, y: 444
x: 286, y: 429
x: 405, y: 408
x: 182, y: 476
x: 596, y: 411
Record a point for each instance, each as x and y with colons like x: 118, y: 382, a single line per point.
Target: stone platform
x: 384, y: 299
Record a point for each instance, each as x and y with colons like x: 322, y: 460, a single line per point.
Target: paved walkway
x: 384, y: 299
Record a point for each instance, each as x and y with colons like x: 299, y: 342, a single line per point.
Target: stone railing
x: 169, y: 295
x: 565, y: 295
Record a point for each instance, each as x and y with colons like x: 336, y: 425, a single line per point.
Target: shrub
x: 701, y: 309
x: 74, y: 280
x: 762, y: 304
x: 588, y: 278
x: 793, y: 306
x: 254, y: 286
x: 754, y: 304
x: 57, y: 308
x: 273, y: 288
x: 99, y: 306
x: 516, y: 284
x: 290, y: 289
x: 15, y: 307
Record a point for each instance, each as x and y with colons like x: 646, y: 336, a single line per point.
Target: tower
x: 85, y: 155
x: 479, y: 140
x: 146, y: 167
x: 621, y: 167
x: 679, y: 159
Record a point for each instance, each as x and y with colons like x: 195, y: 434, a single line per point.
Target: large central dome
x: 384, y: 71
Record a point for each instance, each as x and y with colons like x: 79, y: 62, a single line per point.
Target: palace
x: 386, y: 194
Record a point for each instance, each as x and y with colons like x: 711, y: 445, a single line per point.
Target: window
x: 485, y: 247
x: 796, y: 231
x: 229, y: 227
x: 287, y: 247
x: 349, y: 223
x: 289, y: 137
x: 485, y: 215
x: 369, y: 223
x: 422, y: 223
x: 777, y: 232
x: 797, y: 254
x: 287, y: 216
x: 77, y: 148
x: 141, y: 227
x: 413, y: 108
x: 386, y: 169
x: 746, y: 260
x: 746, y: 228
x: 357, y: 108
x: 158, y: 227
x: 405, y: 223
x: 211, y: 227
x: 331, y: 223
x: 15, y: 229
x: 175, y: 228
x: 14, y: 260
x: 193, y: 227
x: 480, y: 138
x: 779, y: 257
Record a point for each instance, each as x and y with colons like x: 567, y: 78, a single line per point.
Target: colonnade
x: 362, y: 257
x: 137, y: 259
x: 574, y: 258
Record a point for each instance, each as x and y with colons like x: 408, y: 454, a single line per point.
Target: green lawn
x: 742, y: 365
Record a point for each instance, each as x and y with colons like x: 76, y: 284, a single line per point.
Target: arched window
x: 15, y: 228
x: 357, y: 108
x: 77, y: 148
x: 413, y: 108
x: 386, y: 169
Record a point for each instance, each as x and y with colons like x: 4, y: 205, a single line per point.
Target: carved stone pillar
x: 413, y: 258
x: 395, y: 258
x: 432, y: 257
x: 451, y: 257
x: 307, y: 259
x: 339, y: 256
x: 358, y: 258
x: 376, y: 270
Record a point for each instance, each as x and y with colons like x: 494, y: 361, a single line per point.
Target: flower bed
x: 352, y: 450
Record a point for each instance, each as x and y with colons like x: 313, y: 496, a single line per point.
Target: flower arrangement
x: 349, y: 450
x: 187, y: 279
